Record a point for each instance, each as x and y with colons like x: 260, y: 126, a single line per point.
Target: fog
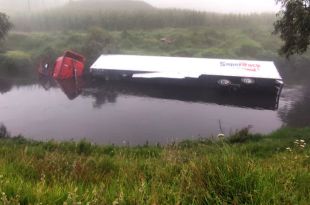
x: 26, y: 5
x: 220, y: 6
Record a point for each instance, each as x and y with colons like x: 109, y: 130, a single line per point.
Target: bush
x: 3, y: 132
x: 243, y: 136
x: 84, y: 147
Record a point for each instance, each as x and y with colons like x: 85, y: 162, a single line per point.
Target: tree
x: 293, y: 26
x: 5, y: 25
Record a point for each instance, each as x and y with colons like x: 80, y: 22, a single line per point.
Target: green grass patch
x: 241, y: 169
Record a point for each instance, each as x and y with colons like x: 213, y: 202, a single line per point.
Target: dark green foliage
x: 294, y: 26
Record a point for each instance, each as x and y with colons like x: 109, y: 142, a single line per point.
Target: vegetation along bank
x: 240, y: 169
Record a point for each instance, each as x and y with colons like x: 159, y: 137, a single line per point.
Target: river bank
x: 240, y: 169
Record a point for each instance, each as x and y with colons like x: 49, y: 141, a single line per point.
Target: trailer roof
x: 180, y: 67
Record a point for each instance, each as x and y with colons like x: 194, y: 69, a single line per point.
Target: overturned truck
x: 220, y: 73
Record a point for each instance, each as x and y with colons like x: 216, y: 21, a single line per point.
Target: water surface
x: 133, y: 113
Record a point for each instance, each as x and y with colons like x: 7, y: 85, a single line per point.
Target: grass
x: 241, y: 169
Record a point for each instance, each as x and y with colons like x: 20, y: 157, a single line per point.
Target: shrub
x: 84, y: 147
x: 3, y: 132
x: 243, y: 135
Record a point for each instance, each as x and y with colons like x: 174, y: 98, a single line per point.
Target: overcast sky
x: 223, y: 6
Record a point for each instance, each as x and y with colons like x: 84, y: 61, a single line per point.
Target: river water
x: 135, y: 114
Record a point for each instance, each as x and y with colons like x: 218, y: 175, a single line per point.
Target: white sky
x: 222, y: 6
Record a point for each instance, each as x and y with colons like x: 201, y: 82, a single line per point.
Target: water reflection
x: 46, y: 82
x: 296, y: 110
x: 5, y: 85
x: 107, y: 93
x: 71, y: 87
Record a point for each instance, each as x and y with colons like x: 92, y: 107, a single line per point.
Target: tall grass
x: 265, y: 170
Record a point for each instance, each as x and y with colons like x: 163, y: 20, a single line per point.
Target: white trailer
x: 218, y: 72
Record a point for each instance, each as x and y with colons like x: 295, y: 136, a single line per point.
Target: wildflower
x: 221, y: 135
x: 121, y: 196
x: 115, y: 202
x: 302, y: 141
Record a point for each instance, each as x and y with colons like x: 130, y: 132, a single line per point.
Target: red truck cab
x: 69, y: 65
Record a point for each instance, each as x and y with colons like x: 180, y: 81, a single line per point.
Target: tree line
x: 55, y: 20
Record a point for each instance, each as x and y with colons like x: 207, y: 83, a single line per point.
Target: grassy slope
x: 245, y: 169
